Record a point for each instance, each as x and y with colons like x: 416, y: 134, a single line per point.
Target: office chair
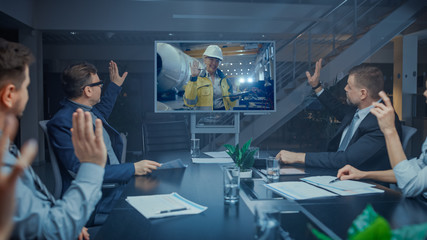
x: 407, y: 134
x: 125, y: 143
x: 164, y: 136
x: 54, y: 162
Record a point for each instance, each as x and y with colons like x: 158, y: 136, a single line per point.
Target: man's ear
x: 7, y: 94
x: 363, y: 93
x: 87, y: 91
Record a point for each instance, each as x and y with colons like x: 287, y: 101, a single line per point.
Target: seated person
x: 410, y: 175
x: 359, y: 140
x: 209, y: 89
x: 38, y: 215
x: 82, y: 88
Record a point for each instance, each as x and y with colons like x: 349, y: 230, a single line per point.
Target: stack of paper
x: 298, y: 190
x: 216, y: 157
x: 164, y: 205
x: 343, y: 188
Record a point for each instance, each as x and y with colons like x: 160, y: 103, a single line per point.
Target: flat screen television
x: 215, y: 76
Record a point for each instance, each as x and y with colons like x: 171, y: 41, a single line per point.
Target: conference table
x: 203, y: 184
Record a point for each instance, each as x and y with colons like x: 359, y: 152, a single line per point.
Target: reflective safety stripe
x: 204, y: 108
x: 191, y: 101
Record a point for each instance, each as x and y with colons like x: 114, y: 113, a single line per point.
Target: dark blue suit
x: 60, y: 135
x: 366, y: 149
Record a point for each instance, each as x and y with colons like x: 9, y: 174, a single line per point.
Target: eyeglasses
x: 100, y: 84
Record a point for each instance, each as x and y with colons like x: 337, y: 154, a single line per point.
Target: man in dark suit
x: 359, y: 140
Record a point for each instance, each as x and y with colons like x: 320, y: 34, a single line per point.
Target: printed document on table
x: 287, y: 171
x: 212, y: 160
x: 344, y: 187
x: 164, y: 205
x: 298, y: 190
x: 221, y: 154
x: 177, y: 163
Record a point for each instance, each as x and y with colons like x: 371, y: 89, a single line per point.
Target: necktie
x: 349, y: 133
x: 37, y: 181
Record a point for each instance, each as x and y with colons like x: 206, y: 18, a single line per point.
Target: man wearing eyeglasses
x: 83, y: 88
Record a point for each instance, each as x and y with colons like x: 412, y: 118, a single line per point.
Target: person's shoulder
x: 63, y: 116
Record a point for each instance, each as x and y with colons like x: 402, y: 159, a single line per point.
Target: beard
x: 350, y: 103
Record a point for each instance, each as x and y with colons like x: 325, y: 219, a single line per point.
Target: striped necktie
x: 37, y: 181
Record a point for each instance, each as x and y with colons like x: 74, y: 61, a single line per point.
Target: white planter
x: 246, y: 174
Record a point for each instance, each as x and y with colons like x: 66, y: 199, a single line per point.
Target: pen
x: 173, y: 210
x: 335, y: 180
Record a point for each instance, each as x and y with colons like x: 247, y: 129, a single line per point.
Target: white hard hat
x: 213, y: 51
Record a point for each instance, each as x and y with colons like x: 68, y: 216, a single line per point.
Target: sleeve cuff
x: 319, y: 93
x: 90, y: 172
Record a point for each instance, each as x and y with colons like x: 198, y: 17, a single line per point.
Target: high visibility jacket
x: 199, y: 92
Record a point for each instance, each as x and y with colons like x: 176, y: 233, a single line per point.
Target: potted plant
x: 242, y: 157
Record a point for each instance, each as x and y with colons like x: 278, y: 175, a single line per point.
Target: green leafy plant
x: 242, y: 157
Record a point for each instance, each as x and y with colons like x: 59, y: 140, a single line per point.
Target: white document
x: 287, y: 171
x: 221, y: 154
x: 344, y: 187
x: 298, y: 190
x: 164, y: 205
x: 212, y: 160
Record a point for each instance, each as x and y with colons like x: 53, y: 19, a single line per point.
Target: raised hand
x: 384, y: 114
x: 88, y: 145
x: 8, y: 181
x: 114, y: 74
x: 314, y: 80
x: 195, y: 71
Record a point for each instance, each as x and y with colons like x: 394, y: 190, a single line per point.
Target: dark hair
x: 14, y: 58
x: 369, y: 77
x: 75, y: 77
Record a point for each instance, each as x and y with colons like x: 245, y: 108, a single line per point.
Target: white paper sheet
x: 343, y: 188
x: 298, y: 190
x: 212, y: 160
x: 164, y: 205
x: 221, y: 154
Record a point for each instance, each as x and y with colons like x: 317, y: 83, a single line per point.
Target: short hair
x: 75, y: 77
x: 369, y: 77
x: 14, y: 58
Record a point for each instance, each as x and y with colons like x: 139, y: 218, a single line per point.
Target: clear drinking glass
x: 273, y: 168
x: 195, y: 147
x: 231, y: 183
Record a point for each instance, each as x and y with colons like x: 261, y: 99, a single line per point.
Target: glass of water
x: 195, y: 147
x: 231, y: 183
x: 273, y: 168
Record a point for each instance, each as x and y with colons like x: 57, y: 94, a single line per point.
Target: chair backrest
x: 166, y: 135
x: 54, y: 162
x: 125, y: 143
x: 407, y: 134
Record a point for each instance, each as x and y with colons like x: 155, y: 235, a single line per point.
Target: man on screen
x: 209, y: 89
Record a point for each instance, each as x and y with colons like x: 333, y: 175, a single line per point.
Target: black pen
x: 173, y: 210
x: 335, y: 180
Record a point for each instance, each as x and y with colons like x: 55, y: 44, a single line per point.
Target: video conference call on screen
x: 215, y: 76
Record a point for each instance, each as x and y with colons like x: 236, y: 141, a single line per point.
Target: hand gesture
x: 288, y: 157
x: 314, y: 80
x: 145, y: 166
x: 384, y: 114
x: 195, y: 71
x: 8, y: 181
x: 88, y: 145
x: 349, y: 172
x: 114, y: 74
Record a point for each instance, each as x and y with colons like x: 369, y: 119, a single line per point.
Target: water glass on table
x: 273, y: 168
x: 195, y: 147
x: 231, y: 183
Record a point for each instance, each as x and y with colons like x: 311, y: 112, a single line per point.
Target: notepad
x: 212, y: 160
x: 344, y: 187
x: 220, y: 154
x: 298, y: 190
x: 164, y: 205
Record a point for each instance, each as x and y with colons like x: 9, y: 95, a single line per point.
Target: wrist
x: 317, y: 86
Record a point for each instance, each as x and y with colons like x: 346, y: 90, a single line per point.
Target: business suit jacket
x: 366, y: 149
x: 60, y: 135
